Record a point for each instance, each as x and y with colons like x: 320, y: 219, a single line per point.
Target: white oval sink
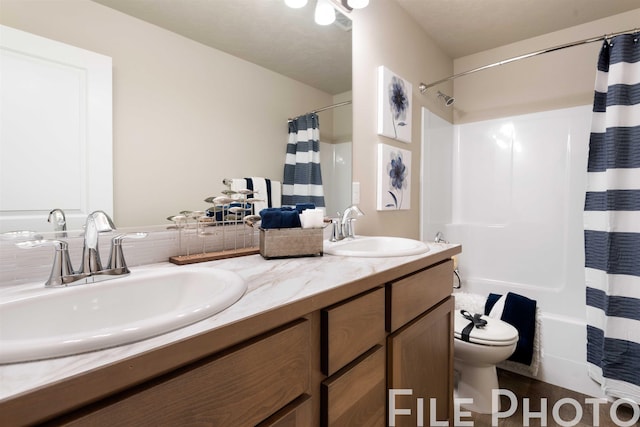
x: 375, y: 246
x: 66, y: 321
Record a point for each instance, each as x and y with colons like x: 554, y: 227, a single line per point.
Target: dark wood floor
x: 524, y: 387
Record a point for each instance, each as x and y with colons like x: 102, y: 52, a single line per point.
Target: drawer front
x: 356, y: 396
x: 350, y: 328
x: 242, y: 386
x: 409, y: 297
x: 296, y: 414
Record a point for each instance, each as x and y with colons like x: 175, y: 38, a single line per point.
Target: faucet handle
x: 117, y: 263
x: 61, y: 272
x: 336, y: 230
x: 349, y: 231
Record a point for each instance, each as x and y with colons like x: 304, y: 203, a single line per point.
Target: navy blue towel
x: 302, y: 206
x: 279, y: 218
x: 520, y: 312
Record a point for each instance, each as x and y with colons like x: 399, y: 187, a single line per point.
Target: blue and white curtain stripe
x: 612, y: 221
x: 302, y: 181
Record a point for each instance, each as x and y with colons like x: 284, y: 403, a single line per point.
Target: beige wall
x: 384, y: 34
x: 184, y: 115
x: 560, y: 79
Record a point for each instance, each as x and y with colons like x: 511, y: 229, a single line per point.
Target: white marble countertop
x: 271, y: 284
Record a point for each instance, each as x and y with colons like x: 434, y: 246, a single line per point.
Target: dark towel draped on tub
x: 520, y: 312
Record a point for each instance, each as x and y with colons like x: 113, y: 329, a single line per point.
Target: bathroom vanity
x: 314, y: 341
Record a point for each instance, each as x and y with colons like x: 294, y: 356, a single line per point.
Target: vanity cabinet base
x: 330, y: 359
x: 240, y: 387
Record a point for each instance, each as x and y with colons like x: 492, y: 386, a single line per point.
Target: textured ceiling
x: 463, y: 27
x: 287, y: 41
x: 264, y: 32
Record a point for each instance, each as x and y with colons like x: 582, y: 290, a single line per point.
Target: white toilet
x: 476, y: 359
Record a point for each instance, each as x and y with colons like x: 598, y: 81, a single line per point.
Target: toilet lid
x: 496, y: 332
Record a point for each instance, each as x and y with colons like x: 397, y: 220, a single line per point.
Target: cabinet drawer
x: 350, y: 328
x: 409, y: 297
x: 296, y: 414
x: 356, y: 396
x: 242, y: 386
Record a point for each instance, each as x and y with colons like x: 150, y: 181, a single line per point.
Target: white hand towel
x: 260, y: 187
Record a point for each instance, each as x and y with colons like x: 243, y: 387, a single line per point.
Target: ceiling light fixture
x: 295, y: 4
x: 325, y: 10
x: 358, y: 4
x: 325, y: 14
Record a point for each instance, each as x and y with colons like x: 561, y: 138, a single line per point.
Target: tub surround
x: 279, y: 291
x: 520, y: 234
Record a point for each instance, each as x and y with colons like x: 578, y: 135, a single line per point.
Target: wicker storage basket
x: 290, y: 242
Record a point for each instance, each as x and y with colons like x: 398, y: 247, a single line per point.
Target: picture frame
x: 394, y: 105
x: 394, y: 178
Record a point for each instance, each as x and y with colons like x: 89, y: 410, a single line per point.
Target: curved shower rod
x: 423, y: 87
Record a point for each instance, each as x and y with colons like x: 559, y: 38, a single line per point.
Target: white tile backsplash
x: 18, y: 266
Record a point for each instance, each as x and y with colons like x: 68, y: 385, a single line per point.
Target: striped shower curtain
x: 612, y: 221
x: 302, y: 181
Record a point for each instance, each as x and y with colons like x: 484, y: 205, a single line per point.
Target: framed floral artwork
x: 394, y: 178
x: 394, y: 105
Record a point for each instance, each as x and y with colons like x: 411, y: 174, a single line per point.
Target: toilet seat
x: 495, y: 333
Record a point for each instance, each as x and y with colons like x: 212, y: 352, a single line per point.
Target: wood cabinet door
x: 420, y: 359
x: 355, y: 395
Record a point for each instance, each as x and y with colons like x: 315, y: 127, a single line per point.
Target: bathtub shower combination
x: 548, y: 204
x: 512, y: 191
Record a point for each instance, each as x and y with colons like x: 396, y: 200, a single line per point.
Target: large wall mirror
x: 55, y: 137
x: 147, y: 186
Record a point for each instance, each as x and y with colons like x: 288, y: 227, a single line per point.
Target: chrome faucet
x: 342, y: 228
x: 91, y: 269
x: 440, y: 238
x: 56, y: 216
x: 97, y: 222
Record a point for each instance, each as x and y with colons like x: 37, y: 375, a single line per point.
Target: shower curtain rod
x: 328, y: 107
x: 423, y: 87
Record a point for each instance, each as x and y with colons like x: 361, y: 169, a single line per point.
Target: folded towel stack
x: 312, y: 218
x: 304, y: 206
x: 284, y: 217
x: 279, y: 218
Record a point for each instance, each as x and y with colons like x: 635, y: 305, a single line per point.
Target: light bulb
x: 325, y: 13
x: 295, y: 4
x: 358, y: 4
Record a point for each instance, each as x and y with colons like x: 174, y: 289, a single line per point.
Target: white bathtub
x: 511, y: 192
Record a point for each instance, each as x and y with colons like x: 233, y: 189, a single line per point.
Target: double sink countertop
x: 279, y: 290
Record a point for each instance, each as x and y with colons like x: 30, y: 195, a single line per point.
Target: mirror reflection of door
x: 55, y: 138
